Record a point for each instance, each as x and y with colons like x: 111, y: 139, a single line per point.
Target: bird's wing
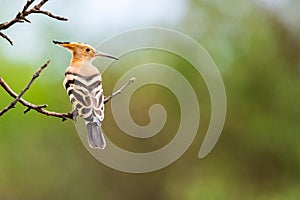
x: 86, y: 95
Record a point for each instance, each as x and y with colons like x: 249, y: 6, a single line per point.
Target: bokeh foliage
x: 257, y: 156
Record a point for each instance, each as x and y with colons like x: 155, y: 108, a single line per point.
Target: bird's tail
x: 95, y: 136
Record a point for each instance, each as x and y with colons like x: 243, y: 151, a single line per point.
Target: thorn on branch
x: 63, y: 119
x: 26, y: 20
x: 27, y: 110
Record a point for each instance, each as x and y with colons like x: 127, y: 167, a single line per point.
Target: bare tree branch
x: 29, y: 2
x: 119, y: 91
x: 40, y: 108
x: 7, y: 38
x: 12, y: 104
x: 21, y: 17
x: 30, y: 106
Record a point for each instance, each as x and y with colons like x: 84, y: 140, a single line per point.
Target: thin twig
x: 40, y: 108
x: 12, y: 104
x: 39, y: 5
x: 30, y: 106
x: 21, y: 17
x: 49, y: 14
x: 119, y: 91
x: 29, y: 2
x: 6, y: 38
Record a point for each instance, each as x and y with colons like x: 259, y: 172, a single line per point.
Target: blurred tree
x: 257, y: 156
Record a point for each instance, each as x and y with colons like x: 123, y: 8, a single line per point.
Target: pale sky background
x: 93, y: 21
x: 88, y: 20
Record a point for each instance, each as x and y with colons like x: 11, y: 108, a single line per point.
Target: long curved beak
x: 105, y: 55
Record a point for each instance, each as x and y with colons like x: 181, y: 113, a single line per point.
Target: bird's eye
x: 87, y: 49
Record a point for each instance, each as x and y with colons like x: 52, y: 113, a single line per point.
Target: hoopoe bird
x: 83, y: 83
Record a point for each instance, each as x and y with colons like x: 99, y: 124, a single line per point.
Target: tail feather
x: 95, y: 136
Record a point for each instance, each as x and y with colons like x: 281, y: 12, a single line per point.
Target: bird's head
x: 82, y: 51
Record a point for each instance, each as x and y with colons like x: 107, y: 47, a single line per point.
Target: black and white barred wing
x: 86, y: 95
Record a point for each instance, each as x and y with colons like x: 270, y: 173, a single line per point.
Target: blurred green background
x: 256, y: 46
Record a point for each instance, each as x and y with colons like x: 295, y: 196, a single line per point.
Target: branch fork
x: 21, y: 17
x: 40, y: 108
